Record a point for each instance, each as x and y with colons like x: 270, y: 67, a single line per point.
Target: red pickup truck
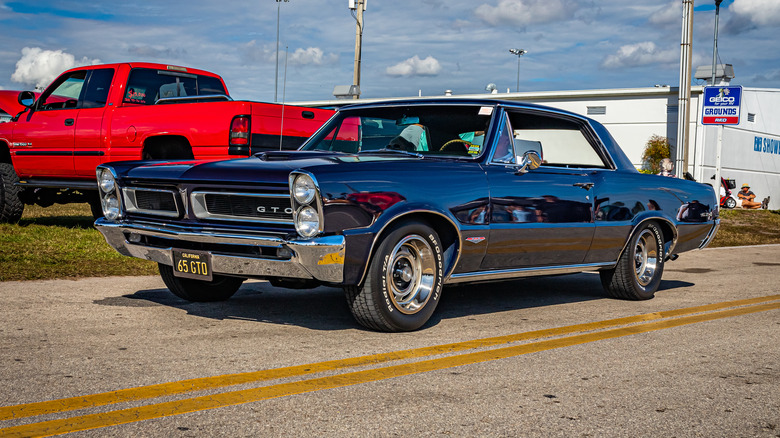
x: 130, y: 111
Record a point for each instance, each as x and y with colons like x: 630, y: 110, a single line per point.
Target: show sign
x: 721, y: 105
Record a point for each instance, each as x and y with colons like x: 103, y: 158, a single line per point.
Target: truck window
x: 99, y: 84
x: 65, y: 92
x: 146, y: 86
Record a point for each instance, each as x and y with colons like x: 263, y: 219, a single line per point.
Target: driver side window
x: 65, y: 94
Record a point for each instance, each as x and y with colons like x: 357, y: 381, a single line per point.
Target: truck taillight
x: 239, y: 131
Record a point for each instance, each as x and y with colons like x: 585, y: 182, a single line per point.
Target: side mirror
x: 529, y: 161
x: 26, y: 98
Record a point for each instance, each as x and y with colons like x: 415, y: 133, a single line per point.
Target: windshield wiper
x: 395, y: 151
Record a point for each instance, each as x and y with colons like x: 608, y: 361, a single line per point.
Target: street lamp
x: 276, y: 76
x: 519, y: 53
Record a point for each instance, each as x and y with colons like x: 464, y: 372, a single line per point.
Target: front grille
x: 270, y: 208
x: 151, y: 201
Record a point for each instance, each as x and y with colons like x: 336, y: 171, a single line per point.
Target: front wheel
x: 11, y: 206
x: 219, y: 289
x: 403, y: 283
x: 639, y: 269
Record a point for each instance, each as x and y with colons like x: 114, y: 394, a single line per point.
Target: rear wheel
x: 219, y: 289
x: 730, y: 202
x: 403, y: 283
x: 638, y: 272
x: 11, y: 207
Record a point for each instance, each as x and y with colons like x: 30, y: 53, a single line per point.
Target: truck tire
x: 219, y: 289
x: 404, y: 281
x: 11, y: 207
x: 640, y: 267
x: 95, y: 205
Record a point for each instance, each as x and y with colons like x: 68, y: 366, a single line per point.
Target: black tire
x: 730, y: 203
x: 11, y: 206
x: 95, y: 205
x: 219, y: 289
x: 403, y: 283
x: 639, y: 270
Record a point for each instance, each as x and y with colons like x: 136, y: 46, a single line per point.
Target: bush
x: 656, y: 149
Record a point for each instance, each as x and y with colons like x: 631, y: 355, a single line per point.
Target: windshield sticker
x: 136, y: 95
x: 485, y: 110
x: 474, y: 149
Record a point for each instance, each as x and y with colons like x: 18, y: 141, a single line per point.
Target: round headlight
x: 304, y: 189
x: 307, y: 222
x: 106, y: 181
x: 111, y: 207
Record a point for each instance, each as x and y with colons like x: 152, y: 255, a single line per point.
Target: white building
x: 751, y: 150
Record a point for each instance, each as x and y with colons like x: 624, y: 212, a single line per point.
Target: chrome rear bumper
x: 321, y: 259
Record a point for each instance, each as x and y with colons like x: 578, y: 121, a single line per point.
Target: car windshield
x: 453, y: 130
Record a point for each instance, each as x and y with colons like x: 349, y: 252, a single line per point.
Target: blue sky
x: 409, y: 47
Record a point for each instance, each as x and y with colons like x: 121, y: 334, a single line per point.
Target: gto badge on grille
x: 475, y: 239
x: 262, y: 209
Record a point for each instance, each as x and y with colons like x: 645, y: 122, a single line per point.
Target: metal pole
x: 517, y: 86
x: 715, y: 42
x: 684, y: 98
x: 358, y: 44
x: 276, y: 74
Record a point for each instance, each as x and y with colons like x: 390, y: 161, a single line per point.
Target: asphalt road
x: 532, y: 357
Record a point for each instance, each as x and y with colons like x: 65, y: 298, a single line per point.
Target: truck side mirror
x: 529, y: 161
x: 26, y: 98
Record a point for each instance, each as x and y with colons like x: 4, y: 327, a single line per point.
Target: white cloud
x: 668, y: 14
x: 639, y: 54
x: 311, y: 55
x: 415, y: 66
x: 39, y: 67
x: 758, y: 13
x: 526, y: 12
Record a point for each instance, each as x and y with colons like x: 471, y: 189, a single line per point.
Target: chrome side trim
x: 710, y: 235
x: 525, y: 272
x: 200, y: 210
x: 321, y: 259
x: 131, y: 202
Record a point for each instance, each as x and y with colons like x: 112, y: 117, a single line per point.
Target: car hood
x: 267, y: 167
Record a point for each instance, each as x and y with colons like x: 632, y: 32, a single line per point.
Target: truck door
x: 44, y: 136
x: 90, y: 149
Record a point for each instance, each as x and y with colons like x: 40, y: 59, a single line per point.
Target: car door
x: 44, y: 136
x: 541, y: 217
x: 89, y: 147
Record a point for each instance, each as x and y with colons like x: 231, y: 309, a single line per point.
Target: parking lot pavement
x: 532, y: 357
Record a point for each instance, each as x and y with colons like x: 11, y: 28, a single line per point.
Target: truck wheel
x: 11, y: 207
x: 95, y: 206
x: 219, y: 289
x: 638, y: 272
x: 404, y: 281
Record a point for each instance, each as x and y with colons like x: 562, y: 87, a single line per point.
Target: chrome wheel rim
x: 410, y: 274
x: 645, y: 257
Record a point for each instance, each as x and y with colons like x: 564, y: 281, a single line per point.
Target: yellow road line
x: 206, y: 383
x: 131, y: 415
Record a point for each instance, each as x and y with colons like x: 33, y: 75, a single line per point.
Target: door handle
x: 69, y: 122
x: 586, y: 186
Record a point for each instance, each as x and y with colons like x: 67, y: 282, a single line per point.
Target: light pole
x: 519, y: 53
x: 276, y: 75
x: 715, y: 42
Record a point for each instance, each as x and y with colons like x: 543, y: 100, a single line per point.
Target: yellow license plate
x: 192, y: 264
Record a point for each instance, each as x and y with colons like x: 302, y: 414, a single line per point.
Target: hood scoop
x: 288, y: 155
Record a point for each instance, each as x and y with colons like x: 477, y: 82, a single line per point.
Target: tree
x: 656, y: 149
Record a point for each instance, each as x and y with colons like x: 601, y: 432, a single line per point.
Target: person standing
x: 667, y: 167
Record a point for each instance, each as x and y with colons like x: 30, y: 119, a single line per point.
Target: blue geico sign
x: 721, y: 105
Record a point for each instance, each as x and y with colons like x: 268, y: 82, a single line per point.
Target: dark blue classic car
x: 392, y: 201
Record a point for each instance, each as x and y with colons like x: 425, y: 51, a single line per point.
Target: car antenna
x: 284, y: 92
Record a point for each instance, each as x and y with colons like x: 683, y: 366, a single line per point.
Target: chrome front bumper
x: 321, y: 259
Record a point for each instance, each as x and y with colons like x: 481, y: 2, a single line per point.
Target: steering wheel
x: 462, y: 142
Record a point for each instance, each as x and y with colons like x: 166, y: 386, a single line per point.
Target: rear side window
x: 146, y: 86
x: 98, y: 86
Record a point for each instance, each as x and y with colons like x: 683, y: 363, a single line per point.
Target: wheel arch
x: 448, y: 232
x: 668, y: 229
x: 167, y: 146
